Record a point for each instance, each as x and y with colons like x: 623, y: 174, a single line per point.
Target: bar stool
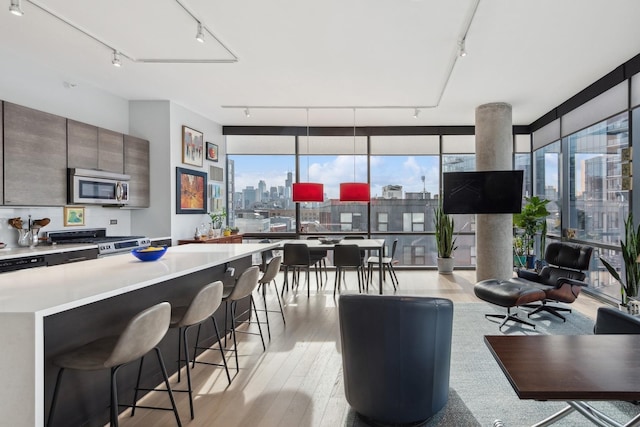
x: 201, y: 308
x: 142, y: 334
x: 271, y: 271
x: 244, y: 287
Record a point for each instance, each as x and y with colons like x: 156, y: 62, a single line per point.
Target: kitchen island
x: 47, y: 310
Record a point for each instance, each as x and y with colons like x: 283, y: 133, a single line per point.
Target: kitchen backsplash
x: 95, y: 217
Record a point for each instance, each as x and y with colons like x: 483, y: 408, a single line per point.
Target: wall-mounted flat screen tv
x: 482, y: 192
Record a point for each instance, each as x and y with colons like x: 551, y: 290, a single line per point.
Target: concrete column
x: 494, y: 151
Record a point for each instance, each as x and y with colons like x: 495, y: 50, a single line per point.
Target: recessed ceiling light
x: 15, y: 8
x: 416, y: 112
x: 247, y: 112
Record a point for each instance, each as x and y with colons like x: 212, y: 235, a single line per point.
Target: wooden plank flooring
x: 297, y: 381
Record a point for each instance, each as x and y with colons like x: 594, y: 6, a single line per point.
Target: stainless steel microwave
x: 95, y: 187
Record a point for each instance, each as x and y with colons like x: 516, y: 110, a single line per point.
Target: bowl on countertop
x: 151, y: 253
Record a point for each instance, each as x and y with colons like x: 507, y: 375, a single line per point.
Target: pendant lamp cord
x: 354, y: 145
x: 308, y: 145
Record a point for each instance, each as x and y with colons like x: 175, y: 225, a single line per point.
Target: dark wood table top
x: 570, y: 367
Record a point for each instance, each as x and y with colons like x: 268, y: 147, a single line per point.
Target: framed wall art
x: 192, y: 146
x: 73, y: 215
x: 191, y: 191
x: 212, y: 152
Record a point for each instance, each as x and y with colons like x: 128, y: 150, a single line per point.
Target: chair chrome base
x: 509, y: 316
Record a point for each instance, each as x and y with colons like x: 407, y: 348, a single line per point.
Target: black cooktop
x: 87, y: 235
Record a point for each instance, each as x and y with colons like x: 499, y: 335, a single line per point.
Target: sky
x: 332, y: 170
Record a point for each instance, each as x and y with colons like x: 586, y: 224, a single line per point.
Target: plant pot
x: 226, y: 233
x: 531, y: 262
x: 234, y: 232
x: 520, y: 261
x: 445, y: 265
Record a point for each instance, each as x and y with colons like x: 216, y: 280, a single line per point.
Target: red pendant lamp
x: 308, y: 191
x: 354, y: 191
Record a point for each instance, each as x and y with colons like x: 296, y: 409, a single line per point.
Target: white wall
x: 183, y: 225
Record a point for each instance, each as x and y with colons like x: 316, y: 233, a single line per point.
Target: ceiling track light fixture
x: 308, y: 191
x: 116, y: 61
x: 200, y: 33
x: 462, y: 50
x: 247, y: 113
x: 15, y: 8
x: 416, y: 112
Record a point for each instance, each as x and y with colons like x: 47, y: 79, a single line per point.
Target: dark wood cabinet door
x: 35, y: 157
x: 136, y: 164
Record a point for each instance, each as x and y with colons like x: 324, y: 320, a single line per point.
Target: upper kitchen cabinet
x: 82, y: 145
x: 35, y: 157
x: 136, y: 164
x: 90, y: 147
x: 110, y: 151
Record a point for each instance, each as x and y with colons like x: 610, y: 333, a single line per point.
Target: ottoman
x: 508, y: 293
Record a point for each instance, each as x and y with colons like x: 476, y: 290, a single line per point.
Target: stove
x: 107, y: 245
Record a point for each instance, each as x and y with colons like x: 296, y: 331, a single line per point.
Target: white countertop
x: 18, y: 252
x: 49, y: 290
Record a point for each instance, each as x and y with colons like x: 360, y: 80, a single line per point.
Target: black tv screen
x: 482, y: 192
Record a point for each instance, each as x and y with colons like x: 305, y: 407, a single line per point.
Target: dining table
x: 324, y: 244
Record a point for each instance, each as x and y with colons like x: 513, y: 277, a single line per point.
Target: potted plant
x: 235, y: 230
x: 226, y: 231
x: 217, y: 218
x: 445, y: 241
x: 519, y: 257
x: 531, y: 220
x: 630, y: 249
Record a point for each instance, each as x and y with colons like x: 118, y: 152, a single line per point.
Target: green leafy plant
x: 531, y: 220
x: 217, y: 218
x: 630, y: 249
x: 445, y: 241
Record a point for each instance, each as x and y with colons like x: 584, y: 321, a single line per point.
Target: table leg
x: 380, y: 255
x: 592, y: 414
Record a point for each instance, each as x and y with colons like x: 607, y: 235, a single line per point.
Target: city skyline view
x: 332, y: 170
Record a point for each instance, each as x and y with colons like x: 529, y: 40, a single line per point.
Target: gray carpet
x: 479, y: 392
x: 482, y: 386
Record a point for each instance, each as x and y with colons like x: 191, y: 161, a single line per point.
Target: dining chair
x: 387, y: 265
x: 347, y: 257
x: 319, y: 260
x: 296, y: 258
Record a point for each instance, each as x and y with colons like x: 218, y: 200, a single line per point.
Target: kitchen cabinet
x: 82, y: 145
x: 136, y: 165
x: 71, y: 256
x: 110, y: 151
x: 35, y: 157
x: 91, y: 147
x: 234, y: 238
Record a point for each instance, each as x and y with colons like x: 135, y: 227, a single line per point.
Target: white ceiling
x: 534, y: 54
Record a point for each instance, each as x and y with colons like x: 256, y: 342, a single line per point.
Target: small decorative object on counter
x: 28, y: 236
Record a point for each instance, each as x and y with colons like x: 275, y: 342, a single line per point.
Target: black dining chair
x: 297, y: 257
x: 346, y: 257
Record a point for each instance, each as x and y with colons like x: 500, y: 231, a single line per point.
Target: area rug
x: 481, y: 385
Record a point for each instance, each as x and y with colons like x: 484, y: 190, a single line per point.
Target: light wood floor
x: 297, y: 381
